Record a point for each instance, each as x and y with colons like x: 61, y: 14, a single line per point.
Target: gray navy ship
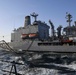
x: 35, y: 36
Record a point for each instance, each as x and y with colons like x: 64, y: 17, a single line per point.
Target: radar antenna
x: 68, y: 17
x: 34, y: 15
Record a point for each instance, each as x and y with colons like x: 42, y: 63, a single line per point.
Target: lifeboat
x: 32, y: 35
x: 24, y: 36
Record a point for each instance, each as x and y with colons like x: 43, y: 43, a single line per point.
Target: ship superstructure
x: 37, y: 29
x: 35, y: 36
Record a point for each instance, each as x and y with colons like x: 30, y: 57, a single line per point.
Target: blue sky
x: 13, y: 12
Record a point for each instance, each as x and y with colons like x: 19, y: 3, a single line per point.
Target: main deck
x: 44, y: 46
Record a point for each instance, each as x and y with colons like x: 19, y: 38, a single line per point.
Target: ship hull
x: 33, y: 46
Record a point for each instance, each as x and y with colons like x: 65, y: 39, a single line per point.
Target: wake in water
x: 38, y: 63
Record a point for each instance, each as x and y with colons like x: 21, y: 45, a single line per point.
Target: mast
x: 68, y: 17
x: 69, y: 20
x: 34, y: 15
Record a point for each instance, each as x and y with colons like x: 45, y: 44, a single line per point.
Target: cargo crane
x: 52, y: 30
x: 75, y: 23
x: 59, y: 31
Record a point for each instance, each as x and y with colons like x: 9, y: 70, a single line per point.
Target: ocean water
x: 38, y: 63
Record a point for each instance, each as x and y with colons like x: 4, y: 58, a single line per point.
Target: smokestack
x: 27, y: 21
